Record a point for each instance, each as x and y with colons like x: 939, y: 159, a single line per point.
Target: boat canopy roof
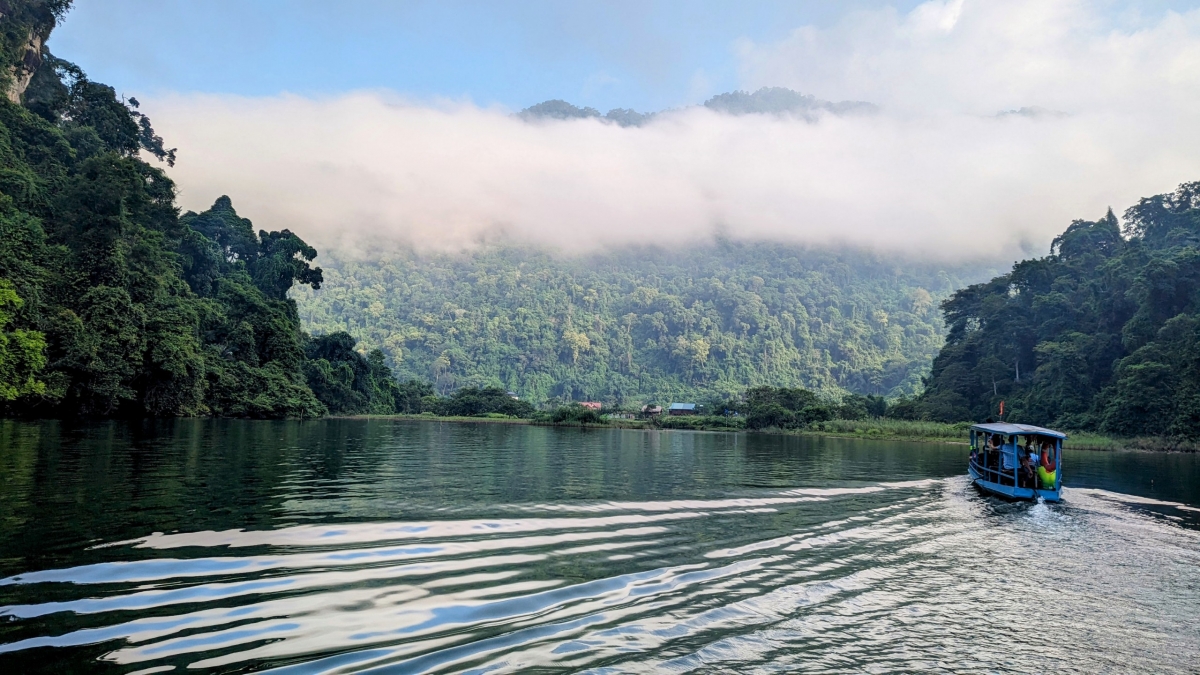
x: 1017, y: 429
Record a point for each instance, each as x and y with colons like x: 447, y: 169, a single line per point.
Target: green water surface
x: 399, y: 546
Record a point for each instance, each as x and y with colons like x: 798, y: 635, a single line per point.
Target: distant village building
x: 513, y: 396
x: 592, y: 405
x: 682, y: 409
x: 651, y: 410
x: 620, y: 416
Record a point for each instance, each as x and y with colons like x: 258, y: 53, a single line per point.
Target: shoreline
x: 872, y: 430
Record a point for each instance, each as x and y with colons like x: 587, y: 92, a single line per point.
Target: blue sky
x: 644, y: 55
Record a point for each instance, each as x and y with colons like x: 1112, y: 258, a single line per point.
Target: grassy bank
x: 428, y: 417
x: 893, y: 429
x: 1084, y: 440
x: 957, y: 433
x: 495, y: 418
x: 872, y: 429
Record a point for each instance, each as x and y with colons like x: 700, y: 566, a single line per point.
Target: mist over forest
x: 367, y: 170
x: 899, y: 132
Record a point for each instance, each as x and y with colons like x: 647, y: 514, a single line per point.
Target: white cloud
x: 979, y: 56
x: 934, y: 173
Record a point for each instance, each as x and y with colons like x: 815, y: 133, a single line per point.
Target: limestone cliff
x: 24, y: 27
x: 21, y: 72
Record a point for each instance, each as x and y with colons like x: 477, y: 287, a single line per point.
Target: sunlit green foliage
x: 639, y: 325
x: 22, y: 352
x: 1104, y: 333
x: 700, y: 422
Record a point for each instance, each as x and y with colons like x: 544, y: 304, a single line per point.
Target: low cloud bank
x: 936, y: 172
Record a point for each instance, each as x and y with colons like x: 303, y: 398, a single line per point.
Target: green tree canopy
x: 1100, y: 334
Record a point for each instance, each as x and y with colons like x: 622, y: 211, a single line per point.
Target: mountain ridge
x: 778, y: 101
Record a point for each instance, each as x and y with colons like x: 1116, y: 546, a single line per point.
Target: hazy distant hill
x: 561, y: 110
x: 781, y: 101
x: 644, y: 325
x: 768, y: 100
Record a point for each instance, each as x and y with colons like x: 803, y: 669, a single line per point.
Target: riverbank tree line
x: 762, y: 407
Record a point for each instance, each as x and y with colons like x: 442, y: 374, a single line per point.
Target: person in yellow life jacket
x: 1048, y: 466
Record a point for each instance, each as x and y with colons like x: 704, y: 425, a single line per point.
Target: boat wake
x: 894, y: 577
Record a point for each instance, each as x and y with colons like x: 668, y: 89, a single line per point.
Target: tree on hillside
x: 22, y: 352
x: 1100, y: 334
x: 120, y: 306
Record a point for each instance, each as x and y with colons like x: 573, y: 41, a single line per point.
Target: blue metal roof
x: 1015, y: 429
x: 683, y: 406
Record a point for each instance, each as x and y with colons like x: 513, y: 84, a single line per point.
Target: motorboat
x: 1017, y: 461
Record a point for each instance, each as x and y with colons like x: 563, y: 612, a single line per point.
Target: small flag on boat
x: 1002, y: 408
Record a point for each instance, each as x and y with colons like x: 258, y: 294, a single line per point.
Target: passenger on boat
x: 992, y: 454
x: 1008, y: 454
x: 1027, y: 476
x: 1048, y: 467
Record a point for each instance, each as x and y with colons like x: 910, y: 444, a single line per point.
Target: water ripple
x: 883, y: 577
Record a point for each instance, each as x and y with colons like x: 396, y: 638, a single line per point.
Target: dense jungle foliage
x: 111, y: 302
x: 1103, y: 333
x: 636, y: 325
x: 114, y: 303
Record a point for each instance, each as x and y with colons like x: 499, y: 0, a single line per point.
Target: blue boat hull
x: 1010, y: 491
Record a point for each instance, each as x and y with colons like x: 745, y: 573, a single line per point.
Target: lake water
x: 393, y: 547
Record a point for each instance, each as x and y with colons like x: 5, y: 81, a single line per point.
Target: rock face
x: 25, y: 26
x: 22, y: 71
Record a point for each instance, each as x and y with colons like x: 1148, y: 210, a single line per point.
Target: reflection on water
x: 345, y: 546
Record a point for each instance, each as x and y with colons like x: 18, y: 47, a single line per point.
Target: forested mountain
x: 111, y: 303
x: 1104, y: 333
x: 114, y: 303
x: 644, y: 324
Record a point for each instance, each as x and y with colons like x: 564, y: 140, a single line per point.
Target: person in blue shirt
x: 1008, y: 461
